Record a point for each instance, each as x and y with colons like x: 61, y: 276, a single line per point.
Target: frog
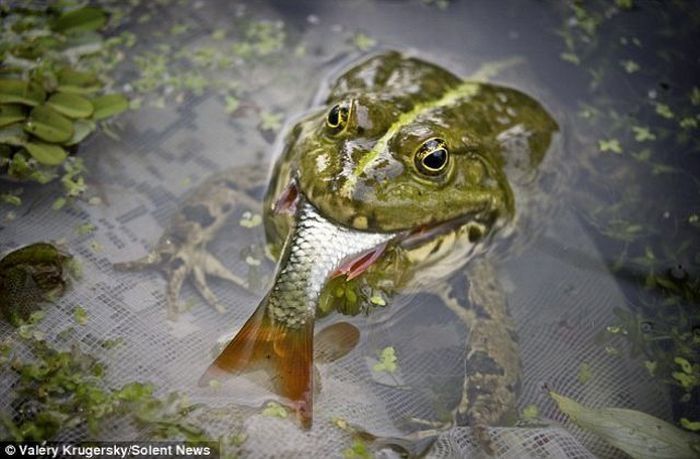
x: 36, y: 273
x: 400, y: 177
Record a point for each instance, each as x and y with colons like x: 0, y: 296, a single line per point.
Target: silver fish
x: 279, y: 334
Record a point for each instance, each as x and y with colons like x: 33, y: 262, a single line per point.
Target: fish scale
x: 316, y: 249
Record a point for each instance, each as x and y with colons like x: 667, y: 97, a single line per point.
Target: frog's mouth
x: 471, y: 222
x: 410, y: 240
x: 289, y: 200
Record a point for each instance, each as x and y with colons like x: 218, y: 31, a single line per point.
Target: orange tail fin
x: 286, y: 353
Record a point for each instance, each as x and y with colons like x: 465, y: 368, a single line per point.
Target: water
x: 603, y: 285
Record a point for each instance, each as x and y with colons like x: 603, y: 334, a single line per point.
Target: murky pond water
x: 601, y: 272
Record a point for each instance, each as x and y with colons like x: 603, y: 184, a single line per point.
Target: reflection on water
x: 604, y: 293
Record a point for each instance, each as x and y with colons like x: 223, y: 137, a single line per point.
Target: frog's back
x: 395, y: 76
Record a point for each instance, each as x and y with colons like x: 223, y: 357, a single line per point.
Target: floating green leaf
x: 59, y: 203
x: 109, y: 105
x: 77, y: 82
x: 684, y: 364
x: 695, y: 96
x: 571, y: 58
x: 45, y: 153
x: 630, y: 66
x: 364, y: 42
x: 84, y: 44
x: 12, y: 199
x: 378, y: 300
x: 21, y: 92
x: 693, y: 426
x: 275, y: 410
x: 250, y: 220
x: 584, y: 372
x: 49, y: 125
x: 70, y: 76
x: 688, y: 123
x: 270, y: 121
x: 81, y: 129
x: 651, y: 366
x: 612, y: 145
x: 85, y: 228
x: 232, y: 104
x: 624, y: 4
x: 664, y: 111
x: 530, y: 412
x: 76, y: 89
x: 11, y: 113
x: 13, y: 135
x: 71, y: 105
x: 642, y: 133
x: 358, y: 450
x: 387, y: 361
x: 80, y: 315
x: 638, y: 434
x: 80, y: 20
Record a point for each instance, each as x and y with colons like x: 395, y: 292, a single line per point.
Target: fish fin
x: 335, y: 342
x: 285, y: 353
x: 357, y: 265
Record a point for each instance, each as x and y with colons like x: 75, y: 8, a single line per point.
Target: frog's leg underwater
x: 181, y: 250
x: 492, y: 368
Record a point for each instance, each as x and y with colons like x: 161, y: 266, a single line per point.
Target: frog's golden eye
x: 432, y: 157
x: 338, y: 117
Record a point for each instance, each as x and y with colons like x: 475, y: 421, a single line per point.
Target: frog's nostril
x: 475, y: 233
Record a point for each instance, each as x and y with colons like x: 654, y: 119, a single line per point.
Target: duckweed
x: 275, y: 410
x: 387, y: 361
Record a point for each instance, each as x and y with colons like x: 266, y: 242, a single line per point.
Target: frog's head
x: 389, y: 163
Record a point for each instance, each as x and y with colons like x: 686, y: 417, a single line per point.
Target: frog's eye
x: 432, y: 157
x: 338, y: 117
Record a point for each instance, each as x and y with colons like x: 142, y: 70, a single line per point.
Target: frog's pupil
x: 334, y: 116
x: 436, y: 159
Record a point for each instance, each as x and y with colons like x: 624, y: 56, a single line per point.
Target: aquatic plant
x: 54, y: 91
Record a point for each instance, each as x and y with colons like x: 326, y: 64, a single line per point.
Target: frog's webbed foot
x: 208, y: 264
x: 196, y: 262
x: 181, y: 251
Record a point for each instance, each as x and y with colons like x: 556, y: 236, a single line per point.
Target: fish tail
x: 286, y: 353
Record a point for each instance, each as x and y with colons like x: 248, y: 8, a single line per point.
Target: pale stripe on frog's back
x: 461, y: 93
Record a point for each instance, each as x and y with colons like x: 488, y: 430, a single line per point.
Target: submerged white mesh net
x: 560, y: 295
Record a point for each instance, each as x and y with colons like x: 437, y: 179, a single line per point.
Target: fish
x: 278, y: 336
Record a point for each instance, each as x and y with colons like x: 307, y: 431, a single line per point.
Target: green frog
x: 399, y: 179
x: 32, y: 275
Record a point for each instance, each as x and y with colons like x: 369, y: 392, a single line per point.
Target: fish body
x: 279, y: 335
